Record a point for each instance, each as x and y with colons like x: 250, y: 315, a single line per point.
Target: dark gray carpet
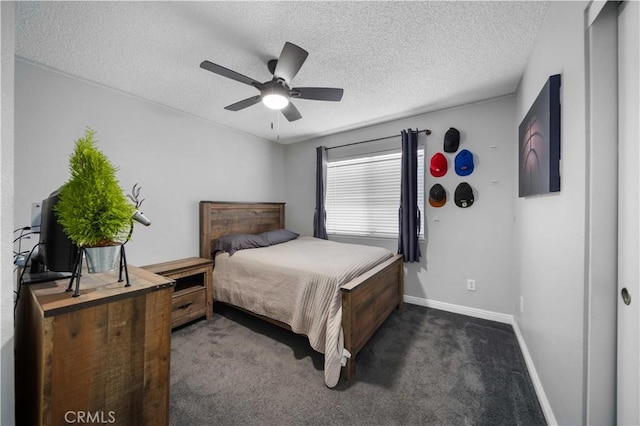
x: 423, y: 366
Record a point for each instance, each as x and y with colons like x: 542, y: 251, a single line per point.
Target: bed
x: 363, y: 294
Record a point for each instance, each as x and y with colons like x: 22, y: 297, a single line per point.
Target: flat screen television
x: 57, y: 252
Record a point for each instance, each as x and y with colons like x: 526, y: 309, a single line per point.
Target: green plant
x: 92, y: 208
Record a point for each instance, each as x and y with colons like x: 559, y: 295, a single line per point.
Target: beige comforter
x: 298, y: 283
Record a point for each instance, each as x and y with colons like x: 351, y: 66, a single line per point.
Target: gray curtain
x: 320, y: 215
x: 409, y: 212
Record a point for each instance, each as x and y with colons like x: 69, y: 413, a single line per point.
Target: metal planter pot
x: 102, y: 259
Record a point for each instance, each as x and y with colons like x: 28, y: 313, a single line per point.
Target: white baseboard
x: 503, y: 318
x: 458, y: 309
x: 542, y: 396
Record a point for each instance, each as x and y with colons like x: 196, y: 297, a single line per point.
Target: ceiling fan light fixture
x: 276, y: 93
x: 275, y: 101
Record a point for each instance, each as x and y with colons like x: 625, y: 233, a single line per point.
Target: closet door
x: 628, y: 409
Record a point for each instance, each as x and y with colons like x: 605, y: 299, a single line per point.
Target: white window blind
x: 363, y: 194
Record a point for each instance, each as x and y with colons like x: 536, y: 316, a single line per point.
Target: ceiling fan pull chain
x: 278, y: 122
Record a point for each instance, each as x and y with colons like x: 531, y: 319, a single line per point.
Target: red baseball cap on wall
x: 438, y: 165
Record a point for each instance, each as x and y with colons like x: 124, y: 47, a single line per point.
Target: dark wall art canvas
x: 539, y: 143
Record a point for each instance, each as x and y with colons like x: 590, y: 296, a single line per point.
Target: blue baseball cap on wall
x: 464, y: 163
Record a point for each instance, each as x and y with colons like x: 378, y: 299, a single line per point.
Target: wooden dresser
x: 193, y: 293
x: 102, y: 357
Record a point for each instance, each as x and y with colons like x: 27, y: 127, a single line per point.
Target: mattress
x: 298, y: 283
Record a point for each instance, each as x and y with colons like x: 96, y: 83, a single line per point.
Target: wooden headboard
x: 218, y: 218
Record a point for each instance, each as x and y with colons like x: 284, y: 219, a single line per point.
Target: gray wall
x: 6, y: 212
x: 550, y: 231
x: 177, y: 159
x: 460, y: 243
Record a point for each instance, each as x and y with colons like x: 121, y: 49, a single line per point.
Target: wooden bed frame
x: 367, y: 300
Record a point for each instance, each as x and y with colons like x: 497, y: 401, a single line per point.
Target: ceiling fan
x: 277, y: 93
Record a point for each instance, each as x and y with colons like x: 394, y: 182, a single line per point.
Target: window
x: 363, y: 195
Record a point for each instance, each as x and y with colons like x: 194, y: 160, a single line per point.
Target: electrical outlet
x: 471, y: 285
x: 521, y: 304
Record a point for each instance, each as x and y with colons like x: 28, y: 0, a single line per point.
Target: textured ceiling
x: 393, y: 59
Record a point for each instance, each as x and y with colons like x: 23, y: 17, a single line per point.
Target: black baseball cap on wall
x: 451, y: 140
x: 463, y: 196
x: 437, y: 196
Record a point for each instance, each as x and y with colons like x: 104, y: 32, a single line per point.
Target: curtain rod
x: 425, y: 131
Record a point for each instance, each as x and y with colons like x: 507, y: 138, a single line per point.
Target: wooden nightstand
x: 193, y: 293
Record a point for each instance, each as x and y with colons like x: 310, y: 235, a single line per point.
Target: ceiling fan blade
x: 244, y: 103
x: 291, y: 59
x: 225, y: 72
x: 318, y: 93
x: 291, y: 113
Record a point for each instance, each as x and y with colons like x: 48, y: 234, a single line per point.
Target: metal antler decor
x: 135, y: 193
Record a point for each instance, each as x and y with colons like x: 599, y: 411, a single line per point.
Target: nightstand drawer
x: 193, y: 291
x: 188, y: 305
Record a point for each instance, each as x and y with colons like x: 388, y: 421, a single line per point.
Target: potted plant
x: 92, y: 208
